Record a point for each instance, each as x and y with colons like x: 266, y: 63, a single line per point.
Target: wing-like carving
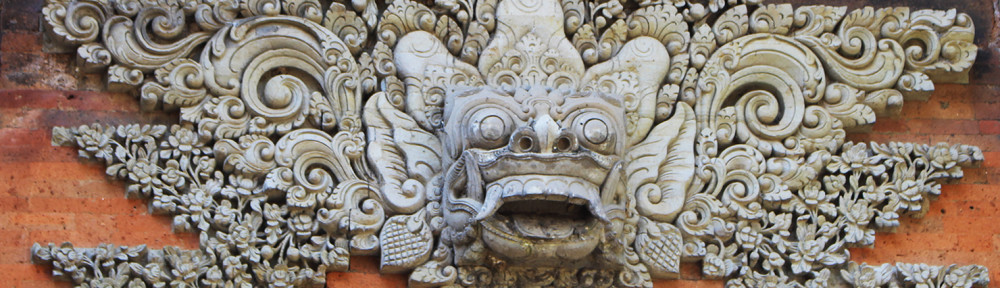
x: 405, y: 156
x: 660, y: 168
x: 430, y: 73
x: 634, y: 75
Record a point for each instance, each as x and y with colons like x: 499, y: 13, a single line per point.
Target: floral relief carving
x: 498, y: 143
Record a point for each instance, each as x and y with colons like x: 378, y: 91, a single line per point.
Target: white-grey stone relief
x: 502, y: 143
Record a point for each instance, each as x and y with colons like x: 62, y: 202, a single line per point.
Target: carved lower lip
x: 576, y: 243
x: 545, y: 240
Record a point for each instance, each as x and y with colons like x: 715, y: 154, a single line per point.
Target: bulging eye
x: 594, y: 131
x: 489, y: 128
x: 492, y: 128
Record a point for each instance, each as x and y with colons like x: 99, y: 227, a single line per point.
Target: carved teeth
x: 550, y: 188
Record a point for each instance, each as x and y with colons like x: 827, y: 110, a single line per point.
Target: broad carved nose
x: 543, y: 136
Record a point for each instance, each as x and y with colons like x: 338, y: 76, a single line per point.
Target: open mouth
x: 531, y: 215
x: 544, y: 219
x: 543, y: 207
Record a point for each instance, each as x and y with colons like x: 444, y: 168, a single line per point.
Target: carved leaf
x: 406, y: 243
x: 659, y: 247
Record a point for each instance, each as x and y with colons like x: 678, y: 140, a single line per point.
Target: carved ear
x: 429, y: 72
x: 659, y: 169
x: 634, y: 74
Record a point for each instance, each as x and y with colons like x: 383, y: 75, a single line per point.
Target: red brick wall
x: 48, y: 194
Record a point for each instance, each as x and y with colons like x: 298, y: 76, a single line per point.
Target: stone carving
x: 573, y: 143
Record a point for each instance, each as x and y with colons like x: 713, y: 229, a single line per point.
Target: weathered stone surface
x: 515, y: 142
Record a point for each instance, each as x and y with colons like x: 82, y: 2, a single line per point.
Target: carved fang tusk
x: 595, y: 209
x: 491, y: 204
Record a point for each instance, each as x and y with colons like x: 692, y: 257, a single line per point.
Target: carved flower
x: 66, y: 262
x: 774, y: 260
x: 225, y: 214
x: 172, y: 174
x: 213, y: 276
x: 910, y: 195
x: 145, y: 174
x: 104, y: 282
x: 184, y: 142
x: 888, y: 216
x: 858, y: 215
x: 943, y: 157
x: 243, y: 185
x: 966, y: 277
x: 816, y: 198
x: 302, y: 224
x: 713, y: 266
x: 97, y: 141
x: 205, y: 166
x: 957, y: 280
x: 136, y: 283
x: 748, y: 237
x: 757, y: 280
x: 867, y: 276
x: 807, y: 252
x: 834, y: 184
x: 274, y: 216
x: 107, y: 256
x: 855, y: 157
x: 197, y: 205
x: 813, y: 246
x: 185, y: 275
x: 922, y: 275
x: 153, y: 270
x: 281, y: 276
x: 241, y: 236
x: 233, y: 266
x: 820, y: 279
x: 140, y: 133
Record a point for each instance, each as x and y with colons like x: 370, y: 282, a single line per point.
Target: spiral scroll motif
x: 769, y: 95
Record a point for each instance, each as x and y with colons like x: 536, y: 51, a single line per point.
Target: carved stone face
x: 536, y: 147
x: 539, y: 172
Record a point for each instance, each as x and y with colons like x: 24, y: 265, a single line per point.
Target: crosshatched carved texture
x: 514, y: 142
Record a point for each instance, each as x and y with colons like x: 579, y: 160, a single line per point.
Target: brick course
x: 48, y: 194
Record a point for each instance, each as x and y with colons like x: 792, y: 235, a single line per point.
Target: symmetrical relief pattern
x: 500, y: 143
